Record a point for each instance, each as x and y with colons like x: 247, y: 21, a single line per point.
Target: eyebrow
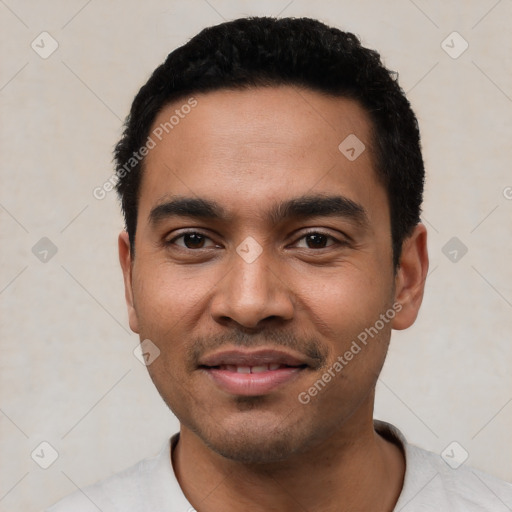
x: 302, y: 207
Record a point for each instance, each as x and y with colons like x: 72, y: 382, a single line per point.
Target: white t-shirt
x: 430, y: 484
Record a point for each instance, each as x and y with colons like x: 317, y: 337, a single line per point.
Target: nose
x: 252, y: 294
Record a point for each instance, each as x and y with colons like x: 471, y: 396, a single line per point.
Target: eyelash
x: 304, y: 235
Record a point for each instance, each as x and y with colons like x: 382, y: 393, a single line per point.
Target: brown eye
x: 191, y: 240
x: 316, y: 240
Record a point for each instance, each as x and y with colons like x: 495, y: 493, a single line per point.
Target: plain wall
x: 68, y: 373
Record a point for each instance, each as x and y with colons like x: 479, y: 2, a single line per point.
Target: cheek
x: 348, y: 313
x: 345, y: 302
x: 169, y: 301
x: 163, y: 302
x: 167, y: 296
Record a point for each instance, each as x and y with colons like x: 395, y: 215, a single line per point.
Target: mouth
x: 261, y: 368
x: 256, y: 373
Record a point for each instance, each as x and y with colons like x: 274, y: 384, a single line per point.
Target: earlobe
x: 410, y: 277
x: 125, y: 259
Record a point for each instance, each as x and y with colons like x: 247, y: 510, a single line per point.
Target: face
x: 262, y: 258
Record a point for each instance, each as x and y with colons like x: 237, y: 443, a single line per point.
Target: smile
x: 252, y: 369
x: 256, y: 373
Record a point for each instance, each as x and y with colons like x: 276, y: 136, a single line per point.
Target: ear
x: 125, y: 258
x: 410, y: 277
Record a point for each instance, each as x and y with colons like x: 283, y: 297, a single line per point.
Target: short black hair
x: 264, y: 51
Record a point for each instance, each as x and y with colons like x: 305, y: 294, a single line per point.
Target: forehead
x: 246, y: 148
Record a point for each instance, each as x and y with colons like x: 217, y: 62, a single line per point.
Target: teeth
x: 250, y: 369
x: 259, y: 369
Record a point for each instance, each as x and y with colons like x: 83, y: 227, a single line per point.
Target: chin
x: 256, y: 439
x: 253, y: 447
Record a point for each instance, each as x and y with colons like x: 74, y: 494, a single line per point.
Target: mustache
x: 309, y: 346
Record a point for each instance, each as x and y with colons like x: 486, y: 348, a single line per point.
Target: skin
x: 248, y: 150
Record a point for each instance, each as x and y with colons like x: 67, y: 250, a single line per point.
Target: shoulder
x: 432, y: 482
x: 144, y: 486
x: 121, y: 491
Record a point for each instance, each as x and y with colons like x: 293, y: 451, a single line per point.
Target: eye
x: 317, y: 240
x: 191, y: 240
x: 196, y: 240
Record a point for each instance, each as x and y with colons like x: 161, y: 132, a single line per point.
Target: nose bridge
x: 250, y: 283
x: 252, y: 290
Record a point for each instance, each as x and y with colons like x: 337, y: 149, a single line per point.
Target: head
x: 272, y: 206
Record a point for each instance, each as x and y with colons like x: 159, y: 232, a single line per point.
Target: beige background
x: 68, y: 374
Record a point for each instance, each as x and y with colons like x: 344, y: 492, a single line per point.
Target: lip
x: 252, y: 358
x: 252, y: 384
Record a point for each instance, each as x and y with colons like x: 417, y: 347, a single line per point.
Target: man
x: 271, y: 180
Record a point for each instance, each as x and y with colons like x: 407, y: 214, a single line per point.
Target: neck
x: 355, y: 469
